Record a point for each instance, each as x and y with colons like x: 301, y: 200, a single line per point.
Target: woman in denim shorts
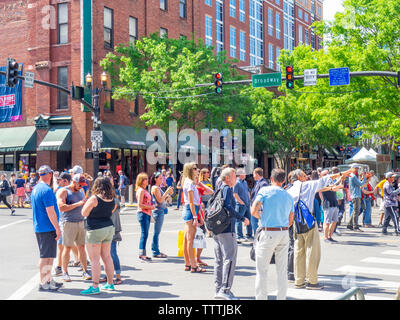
x: 100, y: 232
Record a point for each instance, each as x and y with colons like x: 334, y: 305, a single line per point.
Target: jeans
x: 158, y: 216
x: 367, y: 211
x: 114, y: 256
x: 317, y: 212
x: 254, y: 224
x: 354, y: 217
x: 244, y: 211
x: 144, y: 220
x: 179, y: 198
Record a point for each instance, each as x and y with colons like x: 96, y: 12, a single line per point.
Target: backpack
x: 303, y: 219
x: 217, y: 218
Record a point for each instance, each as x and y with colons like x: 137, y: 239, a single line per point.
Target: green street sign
x: 267, y: 80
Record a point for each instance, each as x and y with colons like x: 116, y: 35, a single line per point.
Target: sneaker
x: 144, y: 259
x: 108, y: 287
x: 48, y: 286
x: 358, y: 229
x: 327, y: 241
x: 315, y: 286
x: 58, y: 271
x: 291, y: 277
x: 349, y: 227
x: 65, y: 277
x: 226, y: 296
x: 56, y: 284
x: 86, y: 275
x: 300, y: 286
x: 12, y: 212
x: 240, y: 240
x: 332, y: 240
x: 338, y: 232
x: 91, y: 291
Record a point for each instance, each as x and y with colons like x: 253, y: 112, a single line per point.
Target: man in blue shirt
x: 242, y: 197
x: 45, y: 224
x: 355, y: 185
x: 276, y: 217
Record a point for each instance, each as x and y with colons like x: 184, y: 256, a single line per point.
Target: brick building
x: 63, y: 40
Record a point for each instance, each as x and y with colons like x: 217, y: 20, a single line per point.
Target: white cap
x: 389, y: 174
x: 77, y: 169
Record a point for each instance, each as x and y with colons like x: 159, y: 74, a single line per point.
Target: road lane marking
x: 361, y: 282
x: 304, y: 294
x: 13, y: 223
x: 392, y: 252
x: 26, y: 288
x: 367, y: 270
x: 381, y: 260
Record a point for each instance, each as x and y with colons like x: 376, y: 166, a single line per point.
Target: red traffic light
x: 218, y: 76
x: 289, y: 69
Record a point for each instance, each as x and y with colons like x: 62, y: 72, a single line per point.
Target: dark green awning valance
x: 58, y: 138
x: 123, y: 137
x: 18, y: 139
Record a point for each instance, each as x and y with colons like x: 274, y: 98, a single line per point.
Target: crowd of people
x: 69, y: 216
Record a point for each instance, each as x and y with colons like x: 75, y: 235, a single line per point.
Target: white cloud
x: 331, y: 7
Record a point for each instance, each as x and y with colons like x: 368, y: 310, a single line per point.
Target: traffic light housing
x: 77, y: 93
x: 289, y: 78
x: 11, y: 72
x: 218, y: 83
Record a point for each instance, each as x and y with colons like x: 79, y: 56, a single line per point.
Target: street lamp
x: 95, y: 92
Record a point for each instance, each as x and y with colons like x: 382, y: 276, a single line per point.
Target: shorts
x: 187, y: 213
x: 331, y: 214
x: 21, y: 192
x: 74, y: 233
x: 99, y: 236
x: 47, y: 244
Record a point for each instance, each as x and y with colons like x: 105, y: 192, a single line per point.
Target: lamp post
x: 95, y: 92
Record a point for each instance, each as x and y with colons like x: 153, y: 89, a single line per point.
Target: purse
x: 303, y: 219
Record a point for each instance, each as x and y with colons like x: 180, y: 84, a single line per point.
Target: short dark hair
x: 278, y: 175
x: 259, y: 171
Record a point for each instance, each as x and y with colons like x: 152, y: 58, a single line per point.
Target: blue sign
x: 10, y: 99
x: 339, y: 77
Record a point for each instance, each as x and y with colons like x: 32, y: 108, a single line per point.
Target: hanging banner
x: 10, y: 99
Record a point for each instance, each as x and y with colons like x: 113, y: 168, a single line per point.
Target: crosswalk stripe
x: 381, y: 260
x: 304, y: 294
x: 13, y: 223
x: 367, y: 270
x: 362, y: 283
x: 392, y: 252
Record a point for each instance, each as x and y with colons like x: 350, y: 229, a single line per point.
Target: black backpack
x: 217, y: 218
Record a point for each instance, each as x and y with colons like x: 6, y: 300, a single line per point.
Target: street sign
x: 96, y: 136
x: 310, y: 77
x: 29, y: 79
x: 339, y: 76
x: 266, y: 80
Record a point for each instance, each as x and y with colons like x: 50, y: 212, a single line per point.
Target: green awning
x: 18, y: 139
x: 123, y: 137
x: 58, y: 138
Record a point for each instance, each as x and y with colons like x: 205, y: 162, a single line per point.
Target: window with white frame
x: 300, y: 34
x: 278, y: 26
x: 62, y: 23
x: 288, y: 25
x: 163, y: 33
x: 256, y: 34
x: 220, y: 25
x: 232, y: 8
x: 270, y: 22
x: 242, y: 45
x: 278, y: 54
x: 208, y: 31
x: 271, y: 56
x: 108, y: 28
x: 208, y: 2
x: 182, y: 9
x: 242, y: 11
x: 164, y: 5
x: 306, y: 37
x: 232, y: 38
x: 133, y: 30
x: 300, y: 13
x: 305, y: 16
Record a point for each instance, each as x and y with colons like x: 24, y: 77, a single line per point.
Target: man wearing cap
x: 45, y: 216
x: 355, y: 186
x: 70, y: 201
x: 390, y: 198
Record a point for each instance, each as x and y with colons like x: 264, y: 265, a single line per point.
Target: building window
x: 271, y: 56
x: 305, y: 16
x: 278, y: 26
x: 108, y: 28
x: 133, y: 30
x: 300, y: 12
x: 220, y: 26
x: 232, y: 38
x: 256, y: 32
x: 270, y: 22
x: 163, y: 33
x: 182, y: 9
x: 208, y: 2
x: 306, y: 37
x: 232, y: 8
x: 319, y: 11
x: 208, y: 31
x: 288, y: 25
x: 242, y: 11
x: 278, y: 54
x: 62, y: 23
x: 135, y: 107
x: 278, y: 2
x: 62, y: 80
x: 242, y: 46
x: 164, y: 5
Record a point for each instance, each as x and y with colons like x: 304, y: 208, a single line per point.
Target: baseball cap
x: 77, y: 169
x: 79, y: 178
x: 45, y: 169
x: 389, y: 174
x: 64, y: 175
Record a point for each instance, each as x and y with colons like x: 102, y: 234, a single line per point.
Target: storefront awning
x: 58, y: 138
x: 123, y: 137
x: 18, y: 139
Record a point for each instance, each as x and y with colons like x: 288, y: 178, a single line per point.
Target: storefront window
x: 32, y: 162
x: 1, y: 162
x: 9, y: 162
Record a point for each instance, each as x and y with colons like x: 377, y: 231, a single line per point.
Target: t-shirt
x: 242, y: 190
x: 380, y: 186
x: 43, y: 197
x: 169, y: 181
x: 277, y: 205
x: 20, y: 183
x: 122, y: 181
x: 189, y: 185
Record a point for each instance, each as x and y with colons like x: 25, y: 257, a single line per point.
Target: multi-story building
x: 63, y: 40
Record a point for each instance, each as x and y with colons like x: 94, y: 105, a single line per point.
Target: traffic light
x: 77, y: 93
x: 289, y: 77
x: 11, y: 72
x: 218, y: 83
x: 398, y: 78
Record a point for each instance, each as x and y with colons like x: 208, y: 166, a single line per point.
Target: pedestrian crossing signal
x: 289, y: 77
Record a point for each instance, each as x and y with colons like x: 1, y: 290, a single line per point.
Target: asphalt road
x: 368, y: 260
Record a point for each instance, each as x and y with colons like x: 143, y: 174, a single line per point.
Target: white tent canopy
x: 363, y: 155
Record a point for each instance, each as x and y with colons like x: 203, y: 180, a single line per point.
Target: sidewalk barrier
x: 181, y: 234
x: 355, y: 291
